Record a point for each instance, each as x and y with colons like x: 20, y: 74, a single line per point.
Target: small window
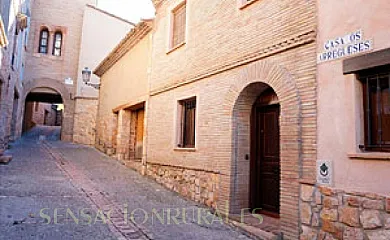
x: 13, y: 57
x: 57, y: 44
x: 187, y: 123
x: 376, y: 97
x: 43, y: 41
x: 139, y: 132
x: 36, y: 105
x: 178, y: 25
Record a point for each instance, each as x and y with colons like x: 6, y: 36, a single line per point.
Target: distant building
x: 45, y: 47
x: 281, y: 107
x: 219, y: 74
x: 102, y: 31
x: 123, y: 97
x: 37, y: 113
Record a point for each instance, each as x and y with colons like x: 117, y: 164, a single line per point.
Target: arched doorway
x: 43, y: 112
x: 53, y: 91
x: 251, y: 82
x: 265, y: 154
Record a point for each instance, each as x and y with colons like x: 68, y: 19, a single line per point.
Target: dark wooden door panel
x: 265, y: 168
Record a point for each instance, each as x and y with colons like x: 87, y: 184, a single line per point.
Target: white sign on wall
x: 344, y: 46
x: 324, y: 171
x: 68, y: 81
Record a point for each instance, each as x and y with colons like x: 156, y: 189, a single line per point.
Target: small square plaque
x: 324, y: 171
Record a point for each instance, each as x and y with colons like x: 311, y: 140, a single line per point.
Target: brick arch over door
x: 60, y: 88
x: 245, y: 89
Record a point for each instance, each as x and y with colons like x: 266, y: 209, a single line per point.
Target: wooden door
x: 139, y: 136
x: 265, y: 163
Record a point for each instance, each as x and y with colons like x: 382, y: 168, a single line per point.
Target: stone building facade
x: 212, y: 63
x: 37, y: 113
x: 299, y: 89
x: 15, y: 27
x: 353, y: 52
x: 234, y: 53
x: 47, y: 70
x: 92, y: 52
x: 123, y: 96
x: 62, y: 42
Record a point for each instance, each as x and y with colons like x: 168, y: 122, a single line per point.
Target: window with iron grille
x: 376, y: 97
x: 178, y: 25
x: 57, y: 44
x: 187, y: 123
x: 43, y: 41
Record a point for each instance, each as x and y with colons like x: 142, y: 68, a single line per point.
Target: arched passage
x: 252, y: 81
x: 50, y: 91
x: 43, y: 107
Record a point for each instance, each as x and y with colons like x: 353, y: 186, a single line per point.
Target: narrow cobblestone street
x: 57, y: 190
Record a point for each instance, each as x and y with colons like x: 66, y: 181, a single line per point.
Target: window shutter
x: 179, y: 25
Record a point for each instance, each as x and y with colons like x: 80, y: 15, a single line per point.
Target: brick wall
x: 230, y: 55
x: 55, y: 15
x: 218, y: 32
x: 46, y: 70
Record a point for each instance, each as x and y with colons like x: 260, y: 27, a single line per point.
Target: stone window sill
x: 185, y: 149
x: 176, y: 47
x: 370, y: 156
x: 51, y: 57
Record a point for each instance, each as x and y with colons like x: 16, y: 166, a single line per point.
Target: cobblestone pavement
x: 57, y: 190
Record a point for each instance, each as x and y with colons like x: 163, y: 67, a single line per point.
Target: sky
x: 132, y: 10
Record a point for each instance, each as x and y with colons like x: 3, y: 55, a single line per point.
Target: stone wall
x: 106, y: 135
x: 84, y: 130
x: 35, y: 114
x: 197, y: 185
x: 11, y: 75
x: 328, y: 213
x: 131, y: 74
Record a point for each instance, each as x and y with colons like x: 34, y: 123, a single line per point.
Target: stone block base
x: 136, y: 165
x: 328, y: 213
x: 5, y: 159
x: 197, y: 185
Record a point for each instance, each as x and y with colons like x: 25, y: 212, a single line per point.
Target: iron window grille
x: 376, y: 100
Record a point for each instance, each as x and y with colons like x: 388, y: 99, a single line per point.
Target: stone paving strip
x: 48, y: 185
x: 116, y: 222
x: 107, y: 184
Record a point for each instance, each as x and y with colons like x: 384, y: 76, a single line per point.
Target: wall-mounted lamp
x: 87, y: 73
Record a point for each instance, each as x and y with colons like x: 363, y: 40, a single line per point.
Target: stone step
x: 5, y: 159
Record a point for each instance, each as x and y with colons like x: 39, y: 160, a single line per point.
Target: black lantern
x: 87, y: 73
